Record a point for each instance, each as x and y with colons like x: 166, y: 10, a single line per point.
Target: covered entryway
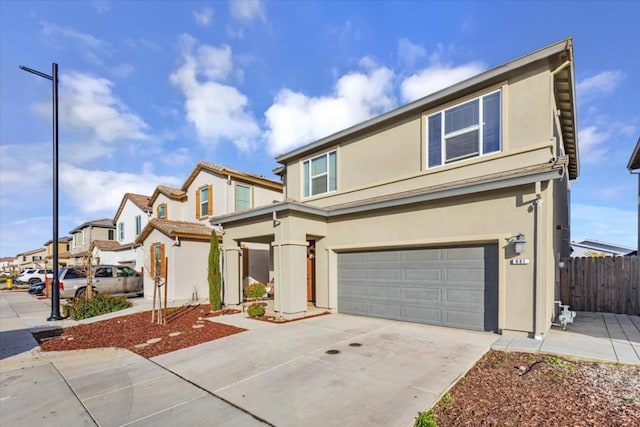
x: 451, y: 286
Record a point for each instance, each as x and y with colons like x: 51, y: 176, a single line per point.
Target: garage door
x: 453, y: 286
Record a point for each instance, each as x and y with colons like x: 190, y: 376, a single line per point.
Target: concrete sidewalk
x: 106, y: 387
x: 592, y: 336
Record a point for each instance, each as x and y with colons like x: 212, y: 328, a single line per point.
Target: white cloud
x: 92, y: 48
x: 101, y: 6
x: 218, y: 111
x: 295, y: 118
x: 247, y: 10
x: 590, y: 141
x: 203, y: 17
x: 100, y: 191
x: 436, y: 77
x: 87, y: 104
x: 605, y: 223
x: 21, y: 171
x: 604, y: 83
x: 121, y: 70
x: 409, y: 53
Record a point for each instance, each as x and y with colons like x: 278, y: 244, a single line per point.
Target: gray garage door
x: 453, y: 286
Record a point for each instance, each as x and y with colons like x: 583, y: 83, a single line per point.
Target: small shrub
x: 255, y: 290
x: 425, y: 419
x: 82, y: 308
x: 255, y: 310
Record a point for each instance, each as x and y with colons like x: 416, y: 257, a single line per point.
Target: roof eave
x: 422, y: 103
x: 634, y: 161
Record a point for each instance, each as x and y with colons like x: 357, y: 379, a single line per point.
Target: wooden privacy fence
x: 604, y: 284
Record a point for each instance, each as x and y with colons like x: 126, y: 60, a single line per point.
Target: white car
x: 33, y: 275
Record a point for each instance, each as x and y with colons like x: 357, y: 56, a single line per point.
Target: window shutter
x: 166, y: 211
x: 198, y: 208
x: 163, y: 273
x: 152, y: 261
x: 209, y: 199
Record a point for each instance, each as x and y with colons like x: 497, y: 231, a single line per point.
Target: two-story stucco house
x: 34, y: 258
x: 451, y: 210
x: 176, y: 239
x: 64, y: 251
x: 85, y: 234
x: 131, y: 217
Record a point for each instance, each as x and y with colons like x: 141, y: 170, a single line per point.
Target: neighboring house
x: 595, y: 248
x: 180, y: 229
x: 31, y: 259
x: 131, y: 217
x: 6, y: 265
x: 64, y: 251
x: 421, y: 214
x: 85, y: 234
x: 634, y: 167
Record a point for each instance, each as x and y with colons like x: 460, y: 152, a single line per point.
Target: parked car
x: 107, y: 279
x: 37, y: 288
x: 33, y: 275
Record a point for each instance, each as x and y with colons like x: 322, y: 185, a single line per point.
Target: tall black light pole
x: 55, y: 290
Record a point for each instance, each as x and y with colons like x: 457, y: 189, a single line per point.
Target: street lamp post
x: 55, y: 290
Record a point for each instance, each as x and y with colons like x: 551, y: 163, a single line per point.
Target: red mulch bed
x: 134, y: 329
x: 524, y: 389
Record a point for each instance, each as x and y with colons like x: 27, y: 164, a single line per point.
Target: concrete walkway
x: 593, y: 336
x: 328, y: 370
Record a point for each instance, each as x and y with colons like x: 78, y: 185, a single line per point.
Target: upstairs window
x: 121, y: 231
x: 319, y: 175
x: 470, y: 129
x: 138, y: 224
x: 75, y: 240
x: 84, y: 237
x: 204, y: 205
x: 110, y: 236
x: 162, y: 211
x: 243, y: 197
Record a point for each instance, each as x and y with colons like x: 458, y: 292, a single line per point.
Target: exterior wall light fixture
x: 520, y: 244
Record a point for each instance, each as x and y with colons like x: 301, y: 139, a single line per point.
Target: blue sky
x: 149, y: 88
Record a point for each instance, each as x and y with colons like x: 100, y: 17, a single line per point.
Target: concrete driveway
x: 383, y: 373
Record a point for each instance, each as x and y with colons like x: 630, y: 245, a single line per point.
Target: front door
x: 311, y: 271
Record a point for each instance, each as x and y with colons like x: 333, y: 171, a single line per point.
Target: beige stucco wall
x: 393, y: 159
x: 187, y: 267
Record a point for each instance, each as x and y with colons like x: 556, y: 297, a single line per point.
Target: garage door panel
x: 423, y: 255
x: 385, y: 274
x: 385, y: 292
x: 353, y: 290
x: 464, y: 296
x: 423, y: 295
x: 423, y: 274
x: 356, y: 307
x: 386, y: 310
x: 464, y: 253
x: 452, y: 286
x: 432, y: 316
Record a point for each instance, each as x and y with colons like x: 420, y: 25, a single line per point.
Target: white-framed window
x: 319, y: 174
x: 84, y: 237
x: 121, y: 231
x: 243, y: 197
x: 162, y: 211
x: 469, y: 129
x: 138, y: 224
x: 204, y: 201
x: 75, y: 240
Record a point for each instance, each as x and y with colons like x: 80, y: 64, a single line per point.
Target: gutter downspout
x: 538, y: 301
x: 278, y: 243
